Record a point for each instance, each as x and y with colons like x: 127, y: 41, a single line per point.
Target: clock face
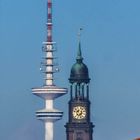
x: 79, y: 112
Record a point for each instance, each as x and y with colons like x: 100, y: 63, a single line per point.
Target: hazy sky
x: 111, y: 48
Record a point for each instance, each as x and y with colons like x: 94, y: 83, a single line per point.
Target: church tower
x: 79, y: 126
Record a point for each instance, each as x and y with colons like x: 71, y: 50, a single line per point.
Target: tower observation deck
x: 49, y: 91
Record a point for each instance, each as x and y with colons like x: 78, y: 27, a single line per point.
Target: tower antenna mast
x: 49, y: 21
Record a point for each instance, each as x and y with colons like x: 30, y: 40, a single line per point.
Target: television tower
x: 49, y: 91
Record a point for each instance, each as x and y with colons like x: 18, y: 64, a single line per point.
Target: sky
x: 111, y: 50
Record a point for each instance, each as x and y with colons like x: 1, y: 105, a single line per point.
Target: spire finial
x: 79, y: 33
x: 79, y: 53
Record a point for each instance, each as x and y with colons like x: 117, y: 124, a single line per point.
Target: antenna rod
x: 49, y: 22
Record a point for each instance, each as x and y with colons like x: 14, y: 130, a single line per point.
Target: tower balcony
x: 49, y: 92
x: 50, y: 115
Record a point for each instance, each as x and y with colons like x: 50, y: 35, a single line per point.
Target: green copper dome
x: 79, y: 71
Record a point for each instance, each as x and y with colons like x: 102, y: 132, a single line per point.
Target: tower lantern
x: 79, y: 126
x: 79, y: 78
x: 49, y: 91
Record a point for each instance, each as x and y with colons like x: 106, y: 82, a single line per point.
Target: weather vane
x: 79, y: 33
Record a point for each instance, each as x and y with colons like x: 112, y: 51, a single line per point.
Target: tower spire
x: 79, y: 52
